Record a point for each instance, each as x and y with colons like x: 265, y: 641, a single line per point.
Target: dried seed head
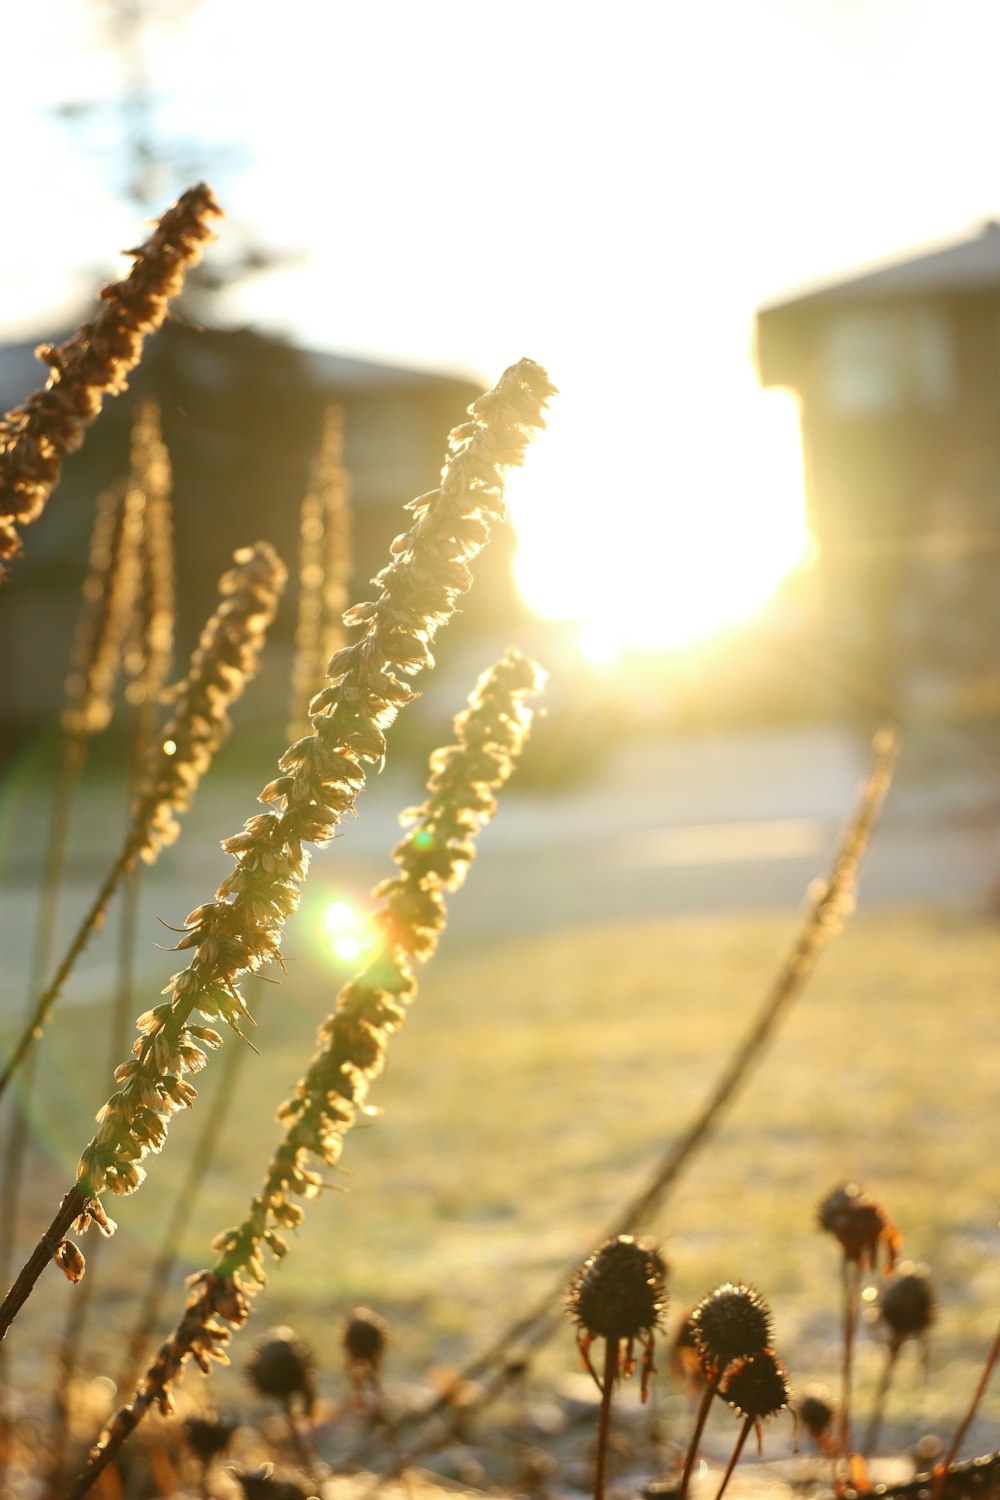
x: 261, y: 1485
x: 817, y: 1417
x: 366, y: 1336
x: 860, y: 1224
x: 283, y: 1367
x: 209, y: 1435
x: 733, y: 1322
x: 907, y: 1303
x: 619, y: 1292
x: 685, y: 1361
x: 757, y: 1386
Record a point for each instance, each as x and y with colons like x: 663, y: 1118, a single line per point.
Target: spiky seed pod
x: 757, y: 1386
x: 209, y: 1435
x: 283, y: 1367
x: 94, y: 363
x: 860, y: 1225
x: 619, y: 1294
x: 733, y: 1322
x: 224, y: 661
x: 365, y: 1339
x: 907, y: 1303
x: 352, y: 1041
x: 109, y: 592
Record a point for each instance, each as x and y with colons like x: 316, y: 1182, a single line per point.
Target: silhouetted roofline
x: 966, y: 266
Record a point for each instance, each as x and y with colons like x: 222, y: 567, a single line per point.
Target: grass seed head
x: 733, y: 1322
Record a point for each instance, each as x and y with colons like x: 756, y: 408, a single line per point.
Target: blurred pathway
x: 700, y: 824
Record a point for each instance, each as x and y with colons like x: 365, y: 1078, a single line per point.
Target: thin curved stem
x: 941, y: 1472
x: 604, y: 1420
x: 875, y: 1422
x: 735, y: 1457
x: 711, y: 1384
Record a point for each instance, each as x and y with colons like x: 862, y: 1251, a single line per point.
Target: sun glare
x: 347, y: 931
x: 663, y: 549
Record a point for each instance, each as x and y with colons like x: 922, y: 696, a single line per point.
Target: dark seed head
x: 208, y: 1436
x: 282, y: 1367
x: 907, y: 1303
x: 366, y: 1336
x: 619, y: 1292
x: 733, y: 1322
x: 757, y: 1386
x: 259, y: 1485
x: 816, y: 1416
x: 860, y: 1224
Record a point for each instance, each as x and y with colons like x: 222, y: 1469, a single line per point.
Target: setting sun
x: 664, y: 553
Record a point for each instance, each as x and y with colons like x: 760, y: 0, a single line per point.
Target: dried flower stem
x: 325, y: 568
x: 712, y: 1379
x: 831, y: 901
x: 95, y: 362
x: 734, y: 1458
x: 225, y: 659
x: 610, y: 1375
x: 108, y: 596
x: 942, y: 1472
x: 878, y: 1405
x: 433, y: 858
x: 240, y: 931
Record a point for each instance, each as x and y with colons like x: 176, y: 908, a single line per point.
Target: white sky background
x: 611, y: 189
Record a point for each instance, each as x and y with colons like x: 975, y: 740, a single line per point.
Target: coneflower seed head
x: 733, y: 1322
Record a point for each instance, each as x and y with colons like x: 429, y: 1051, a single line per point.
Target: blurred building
x: 898, y: 375
x: 242, y: 418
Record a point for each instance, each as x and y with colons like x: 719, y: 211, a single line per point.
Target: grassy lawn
x: 528, y: 1096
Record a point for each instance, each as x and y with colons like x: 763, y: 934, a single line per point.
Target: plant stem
x: 711, y: 1383
x: 72, y: 1206
x: 941, y: 1472
x: 851, y: 1278
x: 607, y: 1390
x: 735, y: 1458
x: 871, y: 1436
x: 303, y: 1455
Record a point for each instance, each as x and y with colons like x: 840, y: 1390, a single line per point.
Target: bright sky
x: 610, y: 189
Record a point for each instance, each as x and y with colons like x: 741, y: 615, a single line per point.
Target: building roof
x: 968, y: 266
x: 21, y: 372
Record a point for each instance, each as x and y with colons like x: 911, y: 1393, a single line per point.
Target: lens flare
x: 348, y: 931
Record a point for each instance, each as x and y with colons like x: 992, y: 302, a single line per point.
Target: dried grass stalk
x: 240, y: 931
x: 95, y: 362
x: 109, y: 593
x: 150, y: 652
x: 433, y: 858
x: 224, y: 661
x: 325, y: 568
